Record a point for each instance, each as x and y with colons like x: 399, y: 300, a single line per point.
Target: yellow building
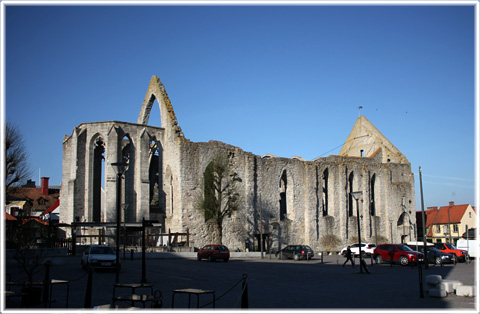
x: 448, y: 223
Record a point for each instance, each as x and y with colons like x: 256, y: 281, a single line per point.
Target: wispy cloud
x: 450, y: 184
x: 448, y: 178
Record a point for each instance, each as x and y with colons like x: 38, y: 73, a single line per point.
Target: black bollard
x: 88, y: 293
x: 46, y: 283
x: 131, y: 254
x: 245, y: 292
x: 420, y: 279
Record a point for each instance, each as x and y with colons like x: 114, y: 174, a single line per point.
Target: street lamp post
x: 124, y: 206
x: 120, y: 168
x: 357, y: 195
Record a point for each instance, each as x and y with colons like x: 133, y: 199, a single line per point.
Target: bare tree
x: 17, y: 168
x: 220, y: 198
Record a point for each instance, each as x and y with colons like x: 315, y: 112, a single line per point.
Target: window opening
x: 283, y: 196
x: 98, y: 174
x: 350, y: 197
x: 209, y: 191
x: 325, y: 192
x: 372, y: 196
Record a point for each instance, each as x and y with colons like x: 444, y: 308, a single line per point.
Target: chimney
x: 44, y: 188
x: 451, y: 203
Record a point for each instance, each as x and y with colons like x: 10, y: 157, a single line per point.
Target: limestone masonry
x: 290, y: 200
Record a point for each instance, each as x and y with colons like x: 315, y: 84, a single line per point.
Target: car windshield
x: 102, y: 250
x: 306, y: 247
x: 450, y: 246
x: 404, y: 247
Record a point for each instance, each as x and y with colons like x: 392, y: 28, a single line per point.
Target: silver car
x: 99, y: 256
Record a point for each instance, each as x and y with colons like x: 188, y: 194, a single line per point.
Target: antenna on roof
x: 359, y: 108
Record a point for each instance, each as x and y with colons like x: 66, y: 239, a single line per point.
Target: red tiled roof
x: 35, y: 219
x: 430, y: 215
x: 52, y: 208
x: 34, y: 195
x: 450, y: 214
x: 9, y: 217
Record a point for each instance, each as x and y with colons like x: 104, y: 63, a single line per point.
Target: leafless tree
x: 220, y: 198
x: 17, y: 168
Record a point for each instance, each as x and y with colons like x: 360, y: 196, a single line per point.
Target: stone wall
x: 317, y: 193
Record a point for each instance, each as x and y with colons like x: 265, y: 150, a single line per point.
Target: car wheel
x: 378, y: 259
x: 403, y: 260
x: 211, y: 259
x: 438, y: 260
x: 296, y: 257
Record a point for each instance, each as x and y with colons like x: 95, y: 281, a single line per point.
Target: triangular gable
x: 365, y: 140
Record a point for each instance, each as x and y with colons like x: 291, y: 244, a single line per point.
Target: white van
x: 472, y: 246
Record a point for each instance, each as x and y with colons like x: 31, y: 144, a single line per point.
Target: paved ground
x: 272, y: 284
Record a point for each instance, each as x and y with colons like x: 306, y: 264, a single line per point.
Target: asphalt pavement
x: 270, y: 284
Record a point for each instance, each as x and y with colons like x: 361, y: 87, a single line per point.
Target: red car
x: 459, y: 255
x: 213, y: 252
x: 398, y: 253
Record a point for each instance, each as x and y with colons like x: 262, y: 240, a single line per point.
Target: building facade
x: 286, y: 200
x: 447, y: 224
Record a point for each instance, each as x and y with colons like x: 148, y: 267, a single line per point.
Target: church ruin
x: 286, y: 200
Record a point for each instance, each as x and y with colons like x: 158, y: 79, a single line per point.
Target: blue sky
x: 285, y: 80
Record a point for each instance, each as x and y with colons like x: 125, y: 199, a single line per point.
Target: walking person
x: 349, y: 257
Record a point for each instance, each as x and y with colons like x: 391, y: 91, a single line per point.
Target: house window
x: 445, y: 229
x: 455, y: 228
x: 438, y: 229
x: 15, y: 211
x: 470, y: 215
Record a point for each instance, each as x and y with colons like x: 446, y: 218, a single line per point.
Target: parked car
x: 469, y: 246
x: 296, y: 252
x: 434, y: 256
x: 396, y: 253
x: 367, y: 249
x: 212, y: 252
x: 98, y: 257
x: 460, y: 255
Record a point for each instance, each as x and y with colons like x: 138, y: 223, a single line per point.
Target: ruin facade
x: 286, y: 200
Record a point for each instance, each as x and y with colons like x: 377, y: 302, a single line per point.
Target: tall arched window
x: 350, y: 197
x: 325, y: 192
x: 372, y: 196
x: 283, y: 195
x: 210, y: 198
x: 98, y: 168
